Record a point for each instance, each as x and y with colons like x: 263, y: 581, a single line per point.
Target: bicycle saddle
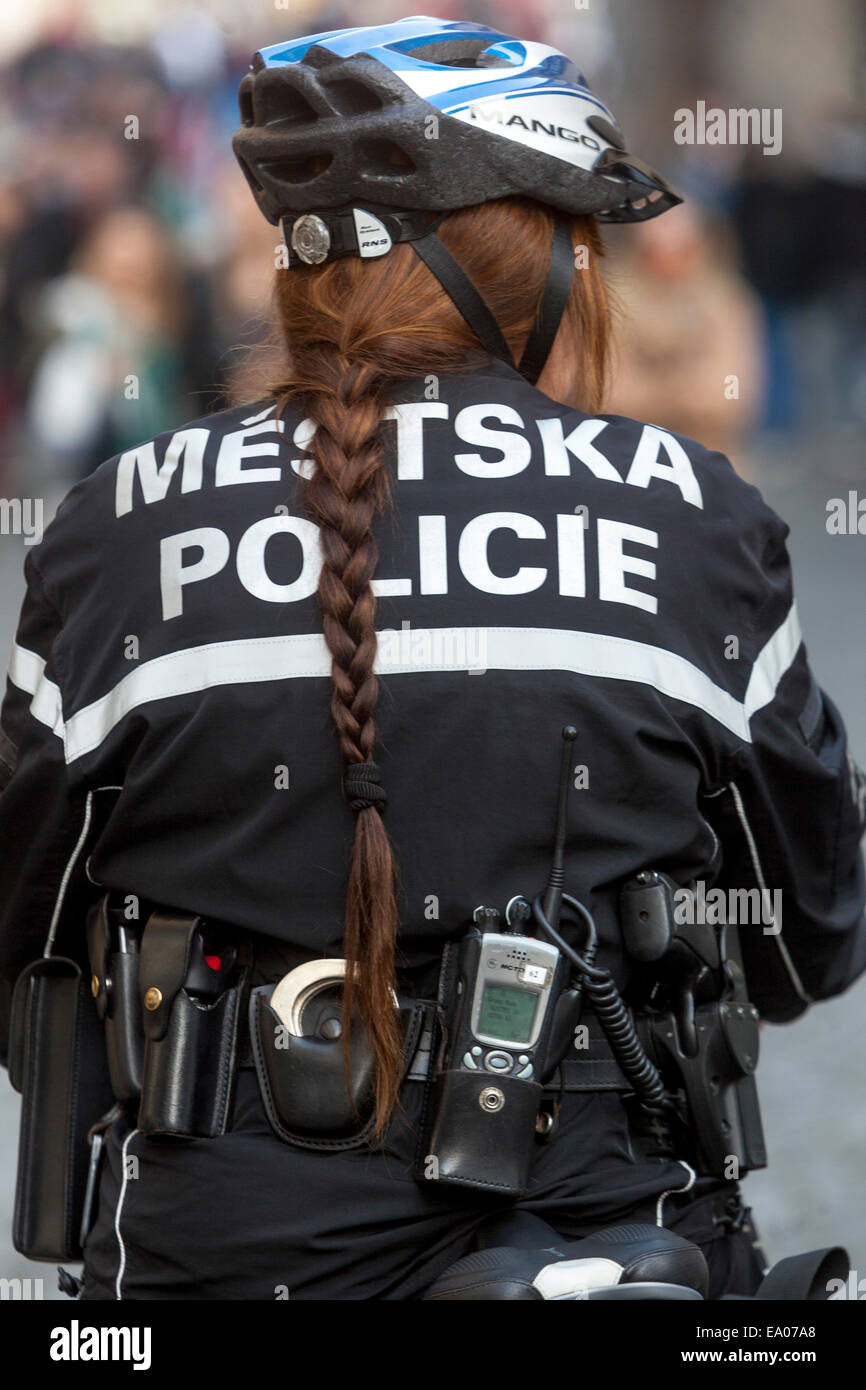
x: 522, y: 1258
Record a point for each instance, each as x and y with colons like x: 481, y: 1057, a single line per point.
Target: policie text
x: 193, y: 556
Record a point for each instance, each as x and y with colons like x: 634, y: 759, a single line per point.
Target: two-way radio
x: 500, y: 991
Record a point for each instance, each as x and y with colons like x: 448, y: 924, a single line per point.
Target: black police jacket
x: 166, y: 729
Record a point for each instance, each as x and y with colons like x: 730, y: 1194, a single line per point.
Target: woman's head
x: 352, y: 328
x: 393, y: 314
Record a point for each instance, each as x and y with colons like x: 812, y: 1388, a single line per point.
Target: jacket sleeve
x: 793, y: 811
x: 42, y: 820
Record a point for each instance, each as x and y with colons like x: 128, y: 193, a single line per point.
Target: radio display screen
x: 506, y: 1013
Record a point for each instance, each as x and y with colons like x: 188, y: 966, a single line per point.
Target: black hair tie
x: 361, y: 787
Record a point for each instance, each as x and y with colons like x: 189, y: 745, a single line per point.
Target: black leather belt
x: 592, y: 1068
x: 589, y: 1074
x: 595, y: 1069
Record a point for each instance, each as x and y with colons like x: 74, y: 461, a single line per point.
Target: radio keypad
x: 499, y: 1062
x: 470, y: 1058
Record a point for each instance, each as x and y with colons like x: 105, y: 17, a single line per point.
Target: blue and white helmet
x: 432, y: 114
x: 356, y: 139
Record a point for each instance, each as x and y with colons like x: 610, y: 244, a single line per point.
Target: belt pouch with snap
x: 481, y: 1131
x: 303, y: 1080
x: 113, y: 945
x: 190, y: 997
x: 478, y: 1127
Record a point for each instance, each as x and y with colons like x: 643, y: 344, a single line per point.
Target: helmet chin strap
x: 553, y: 302
x: 476, y: 312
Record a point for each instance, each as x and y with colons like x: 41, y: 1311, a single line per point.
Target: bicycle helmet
x: 355, y: 139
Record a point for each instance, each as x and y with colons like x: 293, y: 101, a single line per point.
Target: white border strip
x: 27, y: 671
x: 772, y: 662
x: 660, y: 1204
x: 67, y: 874
x: 121, y: 1265
x: 500, y: 648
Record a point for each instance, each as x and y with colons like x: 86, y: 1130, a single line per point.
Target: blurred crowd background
x: 130, y: 245
x: 145, y: 257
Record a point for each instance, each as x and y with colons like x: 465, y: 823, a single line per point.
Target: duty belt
x: 594, y: 1070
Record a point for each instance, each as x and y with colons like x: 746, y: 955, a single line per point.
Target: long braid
x: 346, y: 490
x: 350, y: 330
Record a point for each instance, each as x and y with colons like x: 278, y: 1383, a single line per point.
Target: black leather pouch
x: 190, y: 1039
x: 57, y: 1061
x: 113, y: 947
x: 303, y: 1082
x: 482, y: 1131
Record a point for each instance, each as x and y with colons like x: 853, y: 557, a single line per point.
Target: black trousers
x: 246, y: 1216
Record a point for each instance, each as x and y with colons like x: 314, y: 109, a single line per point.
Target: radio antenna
x: 553, y: 891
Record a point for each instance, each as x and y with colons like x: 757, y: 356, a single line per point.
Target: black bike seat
x: 613, y: 1257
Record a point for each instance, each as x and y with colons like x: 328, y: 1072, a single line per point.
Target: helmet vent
x: 256, y: 187
x: 385, y: 159
x: 456, y: 53
x: 302, y: 169
x: 245, y: 103
x: 350, y: 98
x: 283, y: 105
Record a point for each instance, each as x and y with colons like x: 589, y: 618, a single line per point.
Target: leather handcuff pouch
x: 301, y: 1069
